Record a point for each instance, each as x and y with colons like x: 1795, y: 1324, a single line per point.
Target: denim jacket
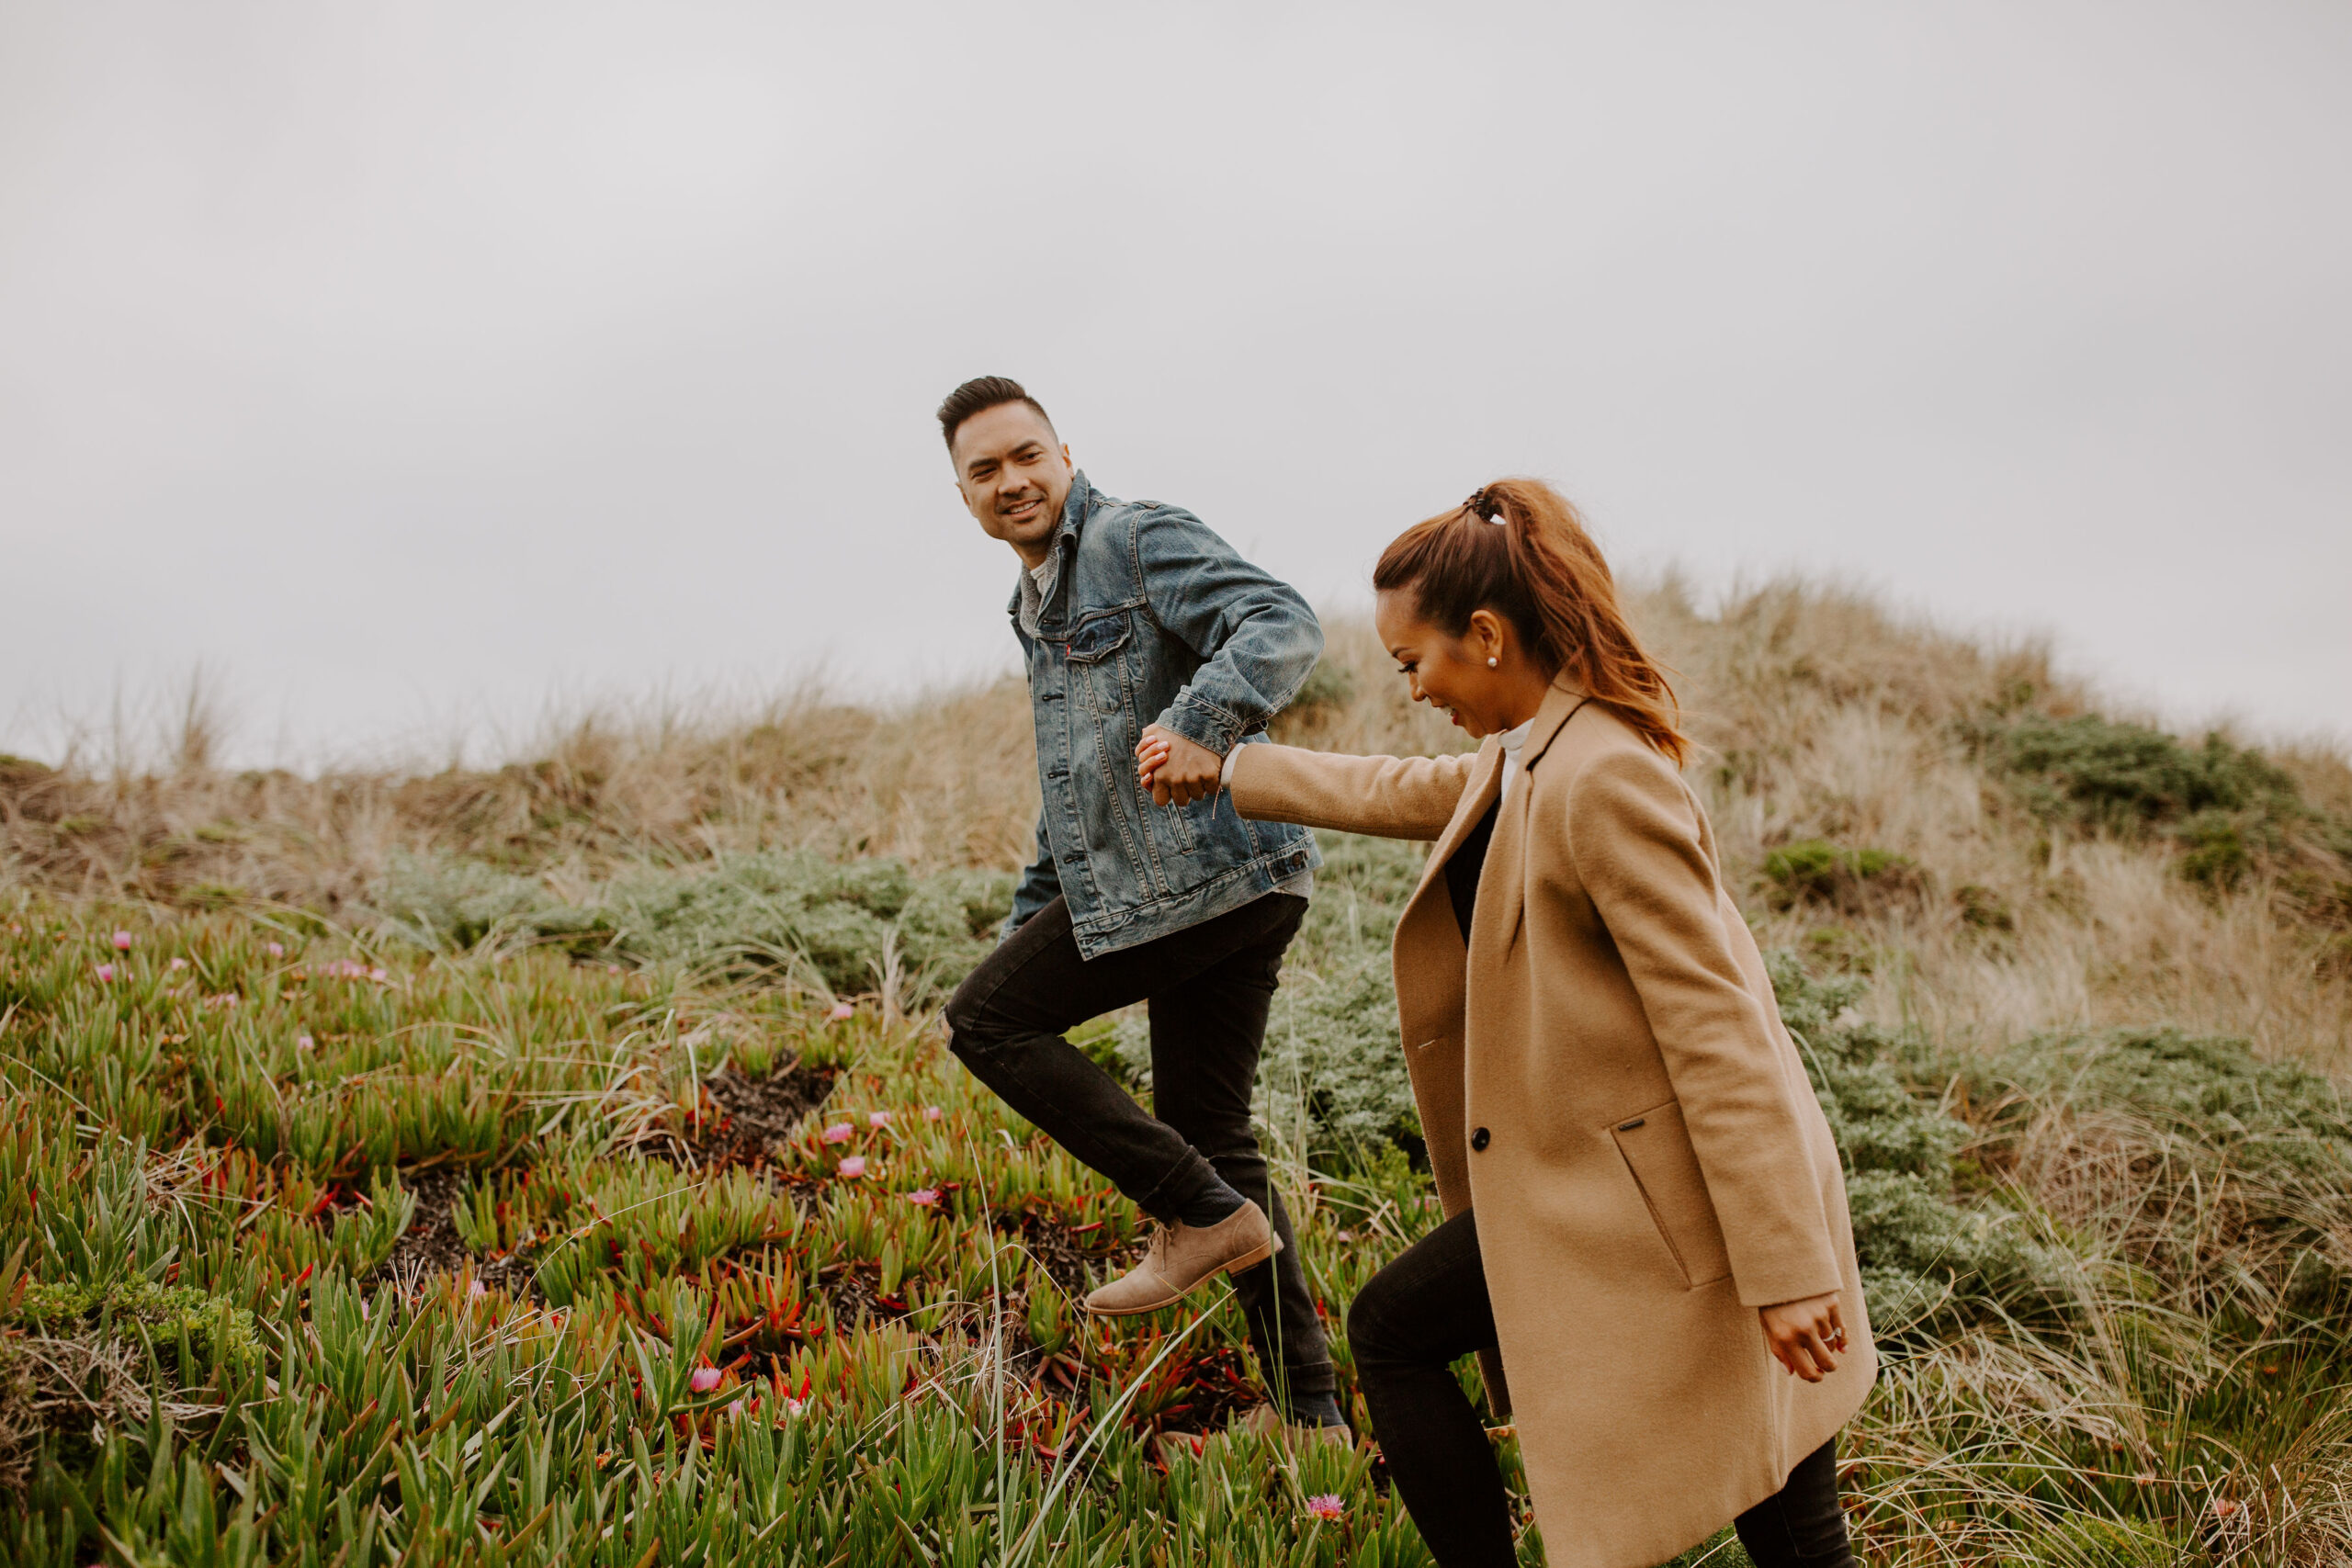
x: 1152, y: 619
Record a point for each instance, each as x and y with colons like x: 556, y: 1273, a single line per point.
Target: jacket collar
x: 1560, y: 705
x: 1077, y: 507
x: 1477, y: 794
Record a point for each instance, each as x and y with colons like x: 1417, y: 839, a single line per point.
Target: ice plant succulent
x: 843, y: 1012
x: 1326, y: 1506
x: 839, y: 1132
x: 122, y: 941
x: 854, y: 1165
x: 926, y: 1197
x: 705, y: 1378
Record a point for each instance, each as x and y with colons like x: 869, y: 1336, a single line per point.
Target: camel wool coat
x: 1604, y: 1078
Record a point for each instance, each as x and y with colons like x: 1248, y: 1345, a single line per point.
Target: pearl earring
x: 1490, y: 661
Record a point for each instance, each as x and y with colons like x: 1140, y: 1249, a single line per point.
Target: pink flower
x: 304, y: 1042
x: 843, y: 1012
x: 179, y: 964
x: 105, y: 971
x: 933, y: 1113
x: 122, y: 941
x: 877, y: 1119
x: 704, y: 1381
x: 853, y: 1165
x: 735, y: 1408
x: 274, y: 949
x: 795, y: 1406
x: 478, y: 1289
x: 839, y: 1132
x: 377, y: 975
x: 1326, y: 1506
x: 926, y: 1196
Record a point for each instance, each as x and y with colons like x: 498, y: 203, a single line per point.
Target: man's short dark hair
x: 978, y: 396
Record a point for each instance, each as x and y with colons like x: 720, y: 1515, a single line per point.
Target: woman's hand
x: 1802, y: 1334
x: 1175, y: 769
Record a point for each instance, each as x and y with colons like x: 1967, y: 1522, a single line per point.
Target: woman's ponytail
x: 1516, y: 548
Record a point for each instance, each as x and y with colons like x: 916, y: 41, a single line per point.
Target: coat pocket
x: 1657, y: 1150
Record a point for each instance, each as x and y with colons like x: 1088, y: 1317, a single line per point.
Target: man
x: 1130, y: 614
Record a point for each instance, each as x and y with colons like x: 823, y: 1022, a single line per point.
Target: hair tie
x: 1482, y: 503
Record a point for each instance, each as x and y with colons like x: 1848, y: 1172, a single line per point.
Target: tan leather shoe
x: 1180, y: 1257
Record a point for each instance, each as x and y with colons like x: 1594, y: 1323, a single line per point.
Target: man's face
x: 1013, y: 474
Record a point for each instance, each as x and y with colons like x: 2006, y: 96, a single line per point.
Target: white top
x: 1514, y: 741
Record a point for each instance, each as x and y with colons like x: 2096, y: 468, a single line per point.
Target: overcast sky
x: 412, y: 366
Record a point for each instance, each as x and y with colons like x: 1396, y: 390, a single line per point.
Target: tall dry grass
x: 1820, y: 714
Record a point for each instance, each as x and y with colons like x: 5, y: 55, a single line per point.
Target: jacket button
x: 1481, y: 1138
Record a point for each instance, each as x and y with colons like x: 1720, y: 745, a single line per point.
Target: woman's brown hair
x: 1516, y: 548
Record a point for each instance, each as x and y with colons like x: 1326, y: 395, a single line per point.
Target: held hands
x: 1176, y: 771
x: 1802, y: 1334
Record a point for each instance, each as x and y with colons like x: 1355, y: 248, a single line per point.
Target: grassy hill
x: 560, y: 1163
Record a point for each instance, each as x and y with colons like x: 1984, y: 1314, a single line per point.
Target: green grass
x: 2108, y: 1271
x: 202, y: 1196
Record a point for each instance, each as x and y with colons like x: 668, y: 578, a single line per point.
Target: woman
x: 1645, y: 1216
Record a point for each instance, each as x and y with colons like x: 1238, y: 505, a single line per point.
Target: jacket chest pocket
x: 1095, y: 666
x: 1657, y: 1153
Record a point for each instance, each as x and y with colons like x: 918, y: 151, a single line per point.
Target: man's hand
x: 1802, y: 1334
x: 1177, y: 772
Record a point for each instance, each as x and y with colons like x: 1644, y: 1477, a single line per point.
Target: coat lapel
x: 1476, y: 796
x: 1502, y: 896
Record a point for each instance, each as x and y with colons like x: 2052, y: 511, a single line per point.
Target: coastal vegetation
x: 561, y: 1162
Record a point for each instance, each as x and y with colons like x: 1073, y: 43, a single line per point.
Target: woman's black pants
x: 1411, y: 1321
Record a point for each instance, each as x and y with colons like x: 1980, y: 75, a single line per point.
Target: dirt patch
x: 854, y: 1293
x: 1066, y: 1252
x: 431, y: 1243
x: 749, y: 1120
x: 1212, y: 1389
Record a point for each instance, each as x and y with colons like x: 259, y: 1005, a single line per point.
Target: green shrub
x: 1926, y: 1255
x: 215, y: 1327
x: 1983, y: 907
x: 2230, y: 809
x: 770, y: 908
x: 1815, y: 871
x: 2273, y: 1119
x: 449, y: 903
x: 2098, y: 771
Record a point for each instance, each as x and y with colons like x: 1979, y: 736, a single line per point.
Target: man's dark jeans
x: 1430, y: 1308
x: 1209, y: 986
